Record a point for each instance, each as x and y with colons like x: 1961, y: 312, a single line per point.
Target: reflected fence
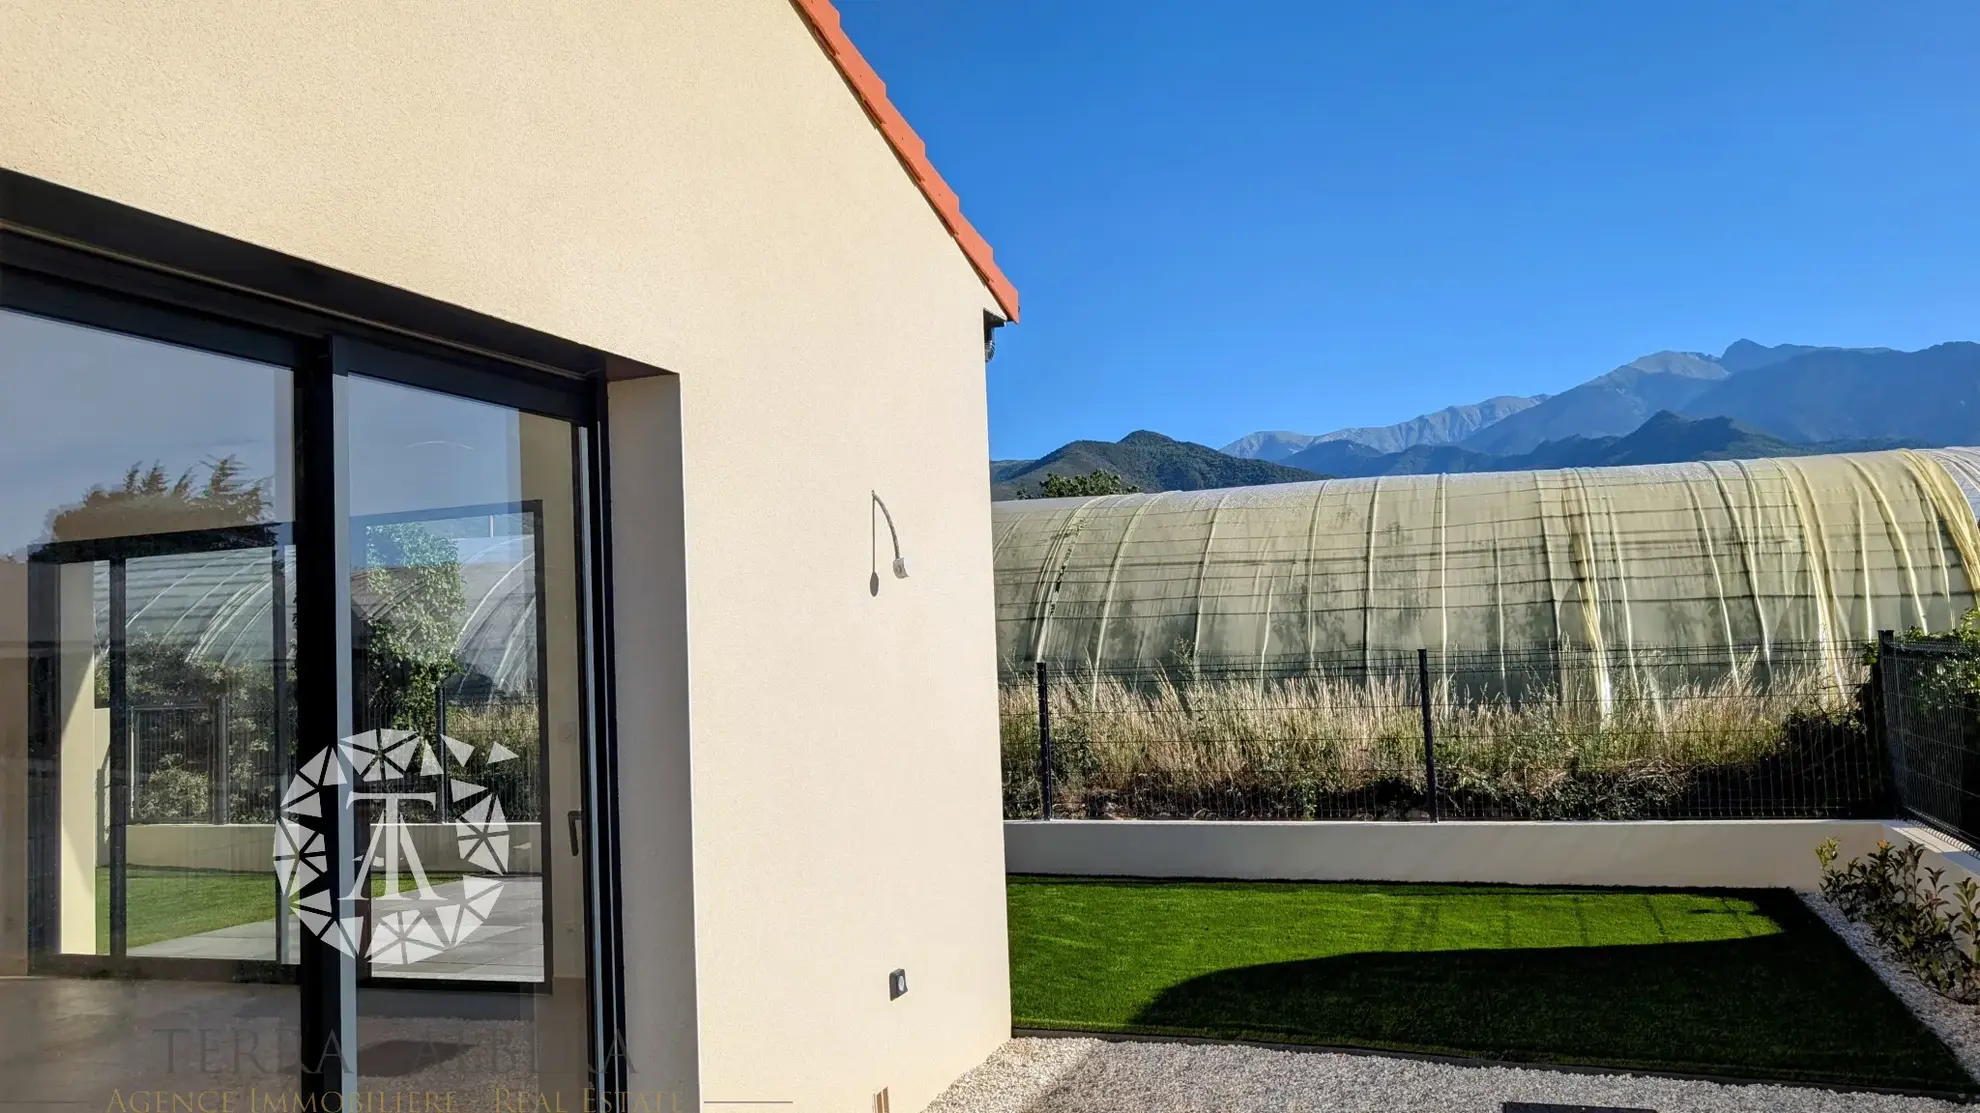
x: 203, y: 763
x: 221, y: 761
x: 1788, y: 731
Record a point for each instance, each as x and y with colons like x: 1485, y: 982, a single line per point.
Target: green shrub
x: 173, y: 794
x: 1952, y: 680
x: 1907, y: 909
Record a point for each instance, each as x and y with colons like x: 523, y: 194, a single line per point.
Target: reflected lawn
x: 163, y: 903
x: 1746, y: 984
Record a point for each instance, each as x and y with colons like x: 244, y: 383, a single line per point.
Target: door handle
x: 577, y: 844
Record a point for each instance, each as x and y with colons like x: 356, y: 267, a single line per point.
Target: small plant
x: 1951, y: 681
x: 1908, y: 911
x: 173, y: 793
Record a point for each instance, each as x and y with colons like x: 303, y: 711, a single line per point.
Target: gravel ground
x: 1957, y: 1024
x: 1094, y: 1076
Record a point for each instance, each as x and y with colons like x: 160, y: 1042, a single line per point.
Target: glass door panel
x: 144, y: 505
x: 163, y: 587
x: 466, y: 747
x: 198, y: 689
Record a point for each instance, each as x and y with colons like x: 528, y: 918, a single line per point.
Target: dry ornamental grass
x: 1614, y: 742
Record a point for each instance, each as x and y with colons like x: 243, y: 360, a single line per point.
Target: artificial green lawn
x: 1744, y: 984
x: 163, y: 903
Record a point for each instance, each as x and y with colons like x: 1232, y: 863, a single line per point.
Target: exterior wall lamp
x: 900, y: 565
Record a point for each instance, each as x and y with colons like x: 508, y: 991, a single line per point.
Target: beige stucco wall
x: 689, y: 185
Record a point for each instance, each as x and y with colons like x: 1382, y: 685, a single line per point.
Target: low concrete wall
x: 250, y: 847
x: 1729, y: 853
x: 1942, y: 853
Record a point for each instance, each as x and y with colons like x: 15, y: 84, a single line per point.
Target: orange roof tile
x: 872, y: 93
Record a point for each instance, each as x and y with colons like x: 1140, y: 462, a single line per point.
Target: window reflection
x: 144, y: 712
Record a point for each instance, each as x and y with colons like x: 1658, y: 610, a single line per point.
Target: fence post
x: 1429, y: 733
x: 1044, y: 745
x: 443, y: 802
x: 1886, y: 684
x: 223, y: 776
x: 279, y: 722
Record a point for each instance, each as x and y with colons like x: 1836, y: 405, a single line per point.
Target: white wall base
x: 250, y: 847
x: 1727, y: 853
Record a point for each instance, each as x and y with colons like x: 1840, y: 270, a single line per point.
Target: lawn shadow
x: 1779, y: 1006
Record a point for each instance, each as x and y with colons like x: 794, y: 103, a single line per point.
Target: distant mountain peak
x: 1609, y: 405
x: 1742, y: 351
x: 1671, y: 418
x: 1689, y: 365
x: 1269, y: 444
x: 1665, y: 424
x: 1446, y: 426
x: 1746, y: 355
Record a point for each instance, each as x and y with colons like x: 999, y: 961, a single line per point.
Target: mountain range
x: 1447, y: 426
x: 1149, y: 461
x: 1152, y: 462
x: 1749, y: 401
x: 1664, y: 438
x: 1797, y: 392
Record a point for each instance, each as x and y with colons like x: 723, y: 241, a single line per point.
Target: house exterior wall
x: 689, y: 185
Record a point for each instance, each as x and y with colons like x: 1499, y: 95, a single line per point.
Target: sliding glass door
x: 145, y: 495
x: 467, y: 709
x: 294, y: 701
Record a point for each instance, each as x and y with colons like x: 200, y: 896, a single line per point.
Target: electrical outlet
x: 896, y: 985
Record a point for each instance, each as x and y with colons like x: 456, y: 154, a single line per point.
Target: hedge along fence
x: 1547, y: 735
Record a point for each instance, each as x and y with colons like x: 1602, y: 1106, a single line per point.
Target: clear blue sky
x: 1252, y: 215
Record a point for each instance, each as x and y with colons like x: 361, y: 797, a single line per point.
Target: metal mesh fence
x: 210, y: 762
x: 1550, y: 734
x: 499, y: 724
x: 505, y: 730
x: 1932, y: 719
x: 215, y: 762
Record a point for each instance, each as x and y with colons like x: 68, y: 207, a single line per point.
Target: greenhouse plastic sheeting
x: 1740, y: 554
x: 218, y: 605
x: 1963, y: 464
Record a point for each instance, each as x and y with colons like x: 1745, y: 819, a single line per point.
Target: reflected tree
x: 409, y: 621
x: 150, y: 501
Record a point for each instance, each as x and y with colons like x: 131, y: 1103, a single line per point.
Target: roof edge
x: 823, y: 19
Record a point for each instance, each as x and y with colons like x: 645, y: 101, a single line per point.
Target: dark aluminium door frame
x: 80, y: 258
x: 531, y: 512
x: 327, y: 976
